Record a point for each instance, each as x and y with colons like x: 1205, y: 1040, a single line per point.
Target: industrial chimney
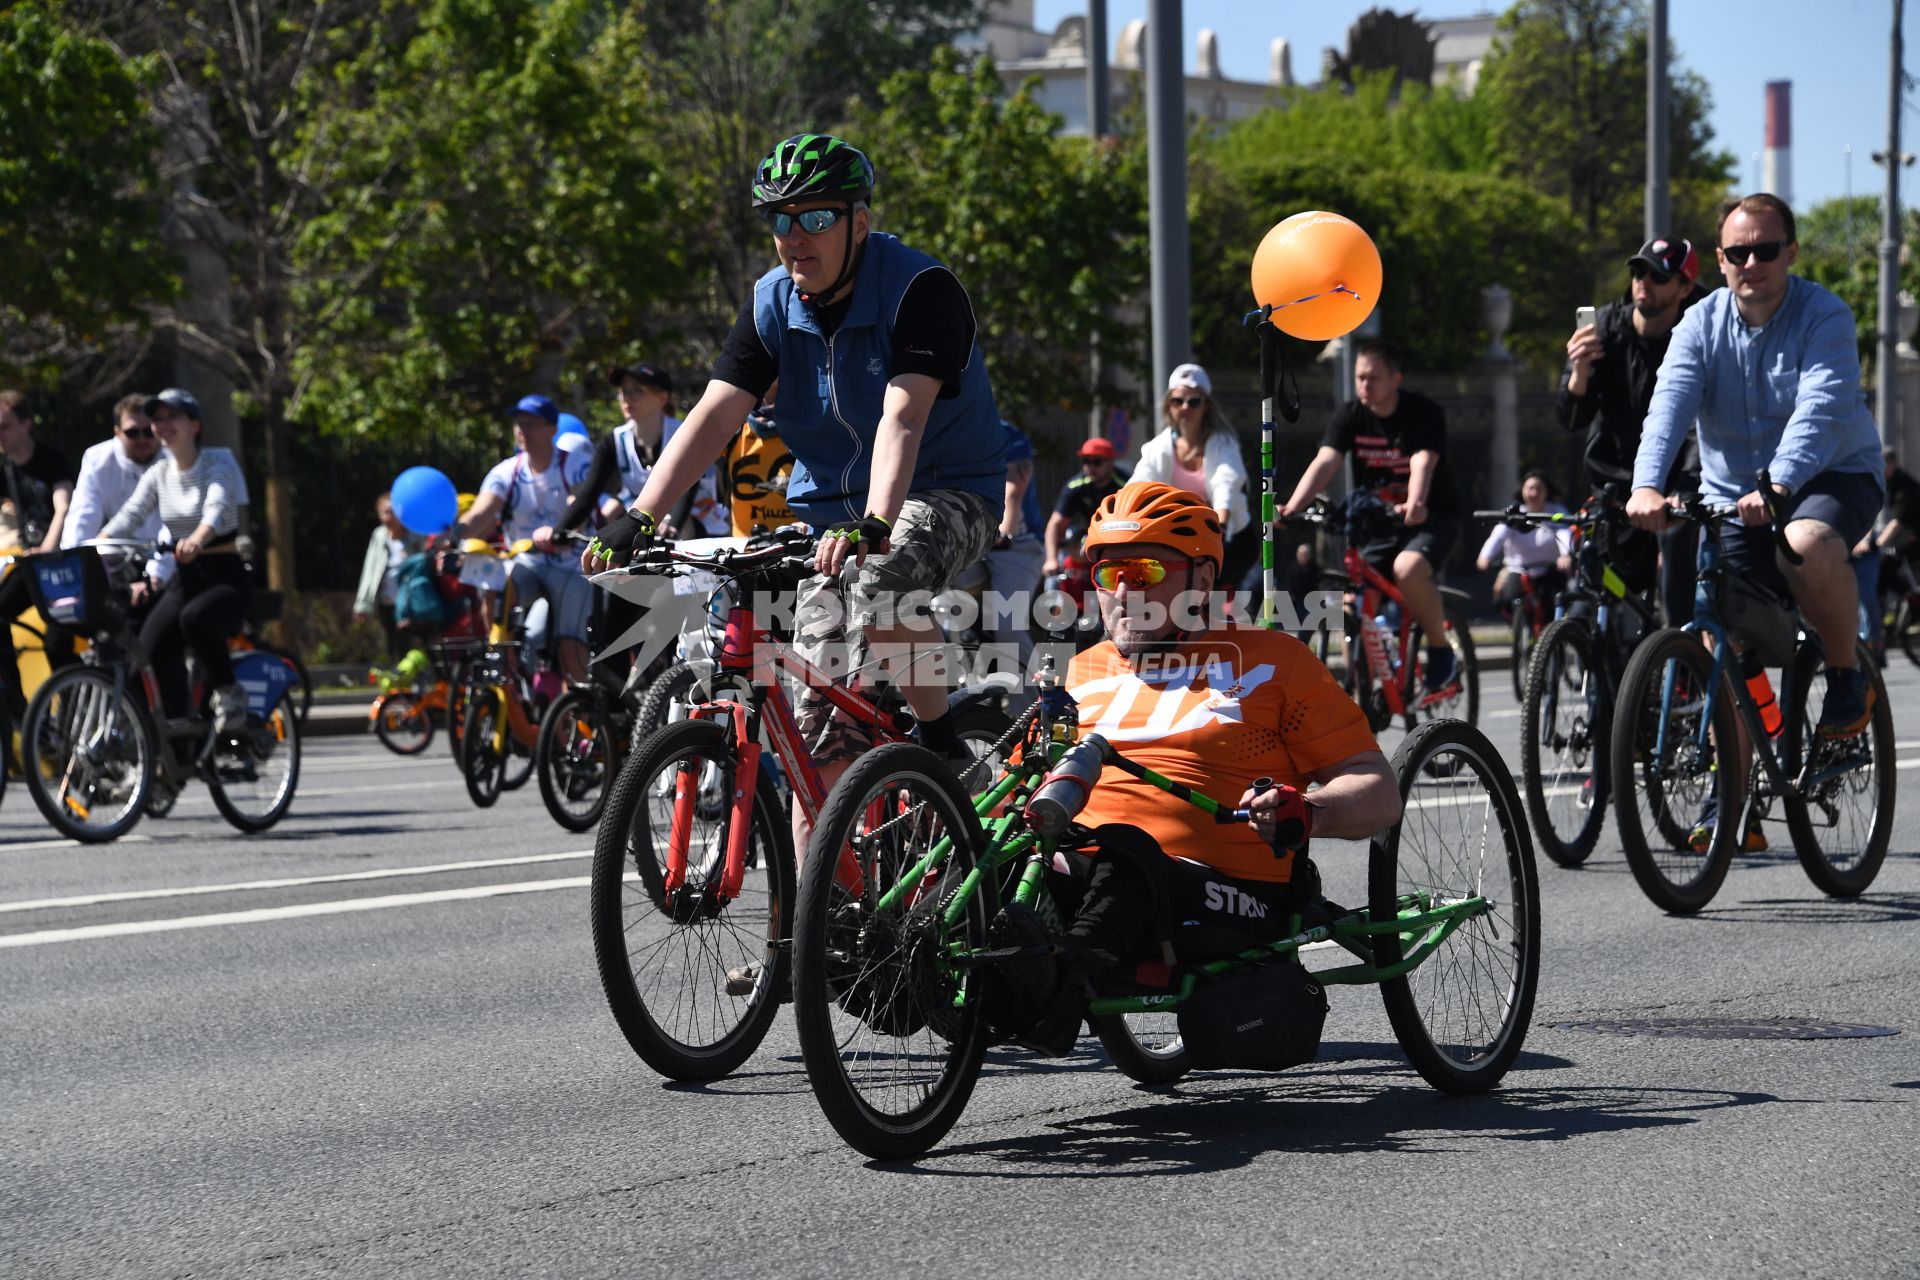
x: 1776, y: 166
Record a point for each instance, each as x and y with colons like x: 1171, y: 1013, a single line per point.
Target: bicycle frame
x: 1418, y: 915
x: 1373, y: 586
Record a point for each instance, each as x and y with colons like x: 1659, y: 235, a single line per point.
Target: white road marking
x: 1511, y: 713
x: 130, y: 927
x: 25, y: 845
x: 347, y: 877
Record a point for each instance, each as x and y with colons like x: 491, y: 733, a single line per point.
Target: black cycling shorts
x: 1845, y: 501
x: 1434, y: 540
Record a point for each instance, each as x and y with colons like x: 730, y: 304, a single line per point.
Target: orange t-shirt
x: 1216, y: 713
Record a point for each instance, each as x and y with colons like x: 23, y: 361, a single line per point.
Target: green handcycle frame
x: 879, y: 943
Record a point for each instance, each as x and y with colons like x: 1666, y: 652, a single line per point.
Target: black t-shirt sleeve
x: 744, y: 360
x: 1339, y: 434
x: 933, y: 330
x: 1425, y: 428
x: 1063, y: 505
x: 603, y: 475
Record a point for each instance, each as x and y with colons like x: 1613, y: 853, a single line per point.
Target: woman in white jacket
x: 1198, y: 451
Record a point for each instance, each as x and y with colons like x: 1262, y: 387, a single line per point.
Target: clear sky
x: 1834, y: 51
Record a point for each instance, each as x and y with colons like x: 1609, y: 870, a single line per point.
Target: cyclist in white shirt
x: 527, y: 495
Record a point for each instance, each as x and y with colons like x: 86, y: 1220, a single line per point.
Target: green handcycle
x: 905, y: 872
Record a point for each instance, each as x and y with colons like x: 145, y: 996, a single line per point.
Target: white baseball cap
x: 1190, y: 375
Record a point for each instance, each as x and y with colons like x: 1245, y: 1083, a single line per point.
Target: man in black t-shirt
x: 1079, y: 498
x: 1398, y: 440
x: 36, y: 482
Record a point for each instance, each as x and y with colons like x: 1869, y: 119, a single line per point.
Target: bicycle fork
x: 686, y: 794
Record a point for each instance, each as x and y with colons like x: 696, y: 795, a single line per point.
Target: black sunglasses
x: 1766, y: 251
x: 1641, y: 271
x: 1188, y: 402
x: 813, y: 221
x: 137, y: 433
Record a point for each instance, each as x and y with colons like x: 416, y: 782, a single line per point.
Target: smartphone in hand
x: 1585, y: 317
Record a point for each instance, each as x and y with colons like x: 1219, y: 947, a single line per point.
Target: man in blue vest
x: 898, y: 456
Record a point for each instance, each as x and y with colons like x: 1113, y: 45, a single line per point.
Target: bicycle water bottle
x: 1063, y: 792
x: 1390, y: 643
x: 1760, y: 689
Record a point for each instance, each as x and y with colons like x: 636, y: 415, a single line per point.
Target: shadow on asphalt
x: 1868, y: 908
x: 328, y: 833
x: 1320, y: 1112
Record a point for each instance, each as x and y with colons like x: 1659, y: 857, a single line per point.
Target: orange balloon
x: 1320, y: 273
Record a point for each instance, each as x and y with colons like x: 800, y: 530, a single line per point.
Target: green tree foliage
x: 79, y: 226
x: 1442, y: 236
x: 505, y: 224
x: 1372, y: 126
x: 1840, y: 248
x: 1566, y: 89
x: 1046, y: 233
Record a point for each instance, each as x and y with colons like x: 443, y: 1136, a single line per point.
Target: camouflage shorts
x: 939, y: 533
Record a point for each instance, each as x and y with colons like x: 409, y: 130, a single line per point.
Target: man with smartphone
x: 1613, y: 358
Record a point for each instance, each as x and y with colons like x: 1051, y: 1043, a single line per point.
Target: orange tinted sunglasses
x: 1135, y: 571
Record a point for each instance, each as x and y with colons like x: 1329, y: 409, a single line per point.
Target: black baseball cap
x: 1670, y: 257
x: 175, y: 398
x: 643, y: 373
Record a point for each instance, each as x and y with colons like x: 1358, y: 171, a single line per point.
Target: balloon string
x: 1262, y: 314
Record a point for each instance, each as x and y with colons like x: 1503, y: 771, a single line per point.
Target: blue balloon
x: 425, y: 500
x: 569, y: 423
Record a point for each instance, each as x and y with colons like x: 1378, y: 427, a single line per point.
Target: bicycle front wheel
x: 890, y: 1028
x: 1462, y: 1013
x: 253, y: 776
x: 1670, y: 761
x: 1565, y: 720
x: 87, y: 755
x: 694, y: 982
x: 1144, y: 1046
x: 574, y: 758
x: 1842, y: 814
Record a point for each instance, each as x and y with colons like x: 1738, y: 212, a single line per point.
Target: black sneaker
x: 1440, y: 665
x: 1848, y: 707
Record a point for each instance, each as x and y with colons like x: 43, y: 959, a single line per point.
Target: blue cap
x: 568, y: 422
x: 539, y: 407
x: 175, y: 398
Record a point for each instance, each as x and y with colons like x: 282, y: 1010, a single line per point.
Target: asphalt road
x: 373, y: 1042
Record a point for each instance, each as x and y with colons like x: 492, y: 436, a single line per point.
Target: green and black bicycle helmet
x: 813, y: 166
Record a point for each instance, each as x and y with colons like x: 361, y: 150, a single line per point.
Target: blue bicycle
x: 1693, y: 717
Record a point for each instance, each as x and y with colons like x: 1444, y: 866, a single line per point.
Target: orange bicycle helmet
x: 1153, y: 511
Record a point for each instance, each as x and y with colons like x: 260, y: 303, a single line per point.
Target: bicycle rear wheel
x: 1465, y: 705
x: 1144, y: 1046
x: 88, y: 756
x: 1565, y: 719
x: 403, y: 726
x: 1462, y: 1014
x: 890, y: 1029
x: 1664, y: 771
x: 1522, y: 648
x: 575, y: 757
x: 483, y: 759
x: 254, y: 775
x: 663, y: 963
x: 1842, y: 821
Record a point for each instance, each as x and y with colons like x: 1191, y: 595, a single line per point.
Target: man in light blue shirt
x: 1769, y: 367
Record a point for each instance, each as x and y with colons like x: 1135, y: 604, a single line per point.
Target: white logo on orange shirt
x: 1126, y: 708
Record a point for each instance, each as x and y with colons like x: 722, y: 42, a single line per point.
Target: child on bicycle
x: 1211, y: 706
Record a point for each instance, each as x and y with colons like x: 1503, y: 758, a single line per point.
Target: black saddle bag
x: 1266, y: 1018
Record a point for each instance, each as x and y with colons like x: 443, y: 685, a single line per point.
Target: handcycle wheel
x: 1413, y: 666
x: 253, y: 776
x: 1522, y: 647
x: 575, y: 758
x: 1462, y: 1014
x: 483, y: 762
x: 1143, y: 1046
x: 88, y: 758
x: 1565, y: 720
x: 1660, y: 780
x: 403, y: 726
x: 1841, y: 828
x: 890, y: 1030
x: 664, y: 965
